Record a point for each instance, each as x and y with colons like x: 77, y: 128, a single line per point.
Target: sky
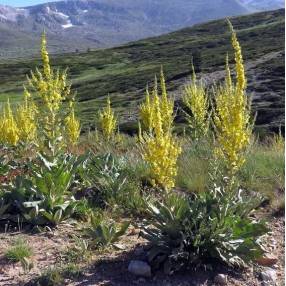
x: 22, y: 3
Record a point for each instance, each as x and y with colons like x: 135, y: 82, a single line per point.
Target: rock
x: 134, y: 231
x: 267, y: 260
x: 269, y: 277
x: 141, y: 280
x: 220, y: 279
x: 139, y: 268
x: 139, y: 251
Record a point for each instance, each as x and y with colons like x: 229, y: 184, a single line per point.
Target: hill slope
x: 103, y: 23
x: 124, y: 71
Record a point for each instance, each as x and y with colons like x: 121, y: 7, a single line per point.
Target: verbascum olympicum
x: 196, y: 99
x: 72, y: 127
x: 26, y: 119
x: 160, y: 148
x: 107, y: 121
x: 232, y: 114
x: 9, y: 133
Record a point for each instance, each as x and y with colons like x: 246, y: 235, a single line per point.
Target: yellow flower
x: 72, y: 127
x: 167, y: 104
x: 9, y: 130
x: 52, y: 89
x: 232, y: 115
x: 159, y: 147
x: 147, y: 109
x: 25, y: 118
x: 196, y: 99
x: 107, y: 121
x: 146, y: 113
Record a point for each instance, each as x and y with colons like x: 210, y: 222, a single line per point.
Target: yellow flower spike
x: 52, y: 89
x: 107, y: 121
x: 167, y: 104
x: 45, y: 57
x: 232, y: 115
x: 228, y: 80
x: 196, y: 99
x: 9, y: 129
x: 146, y: 111
x: 72, y: 127
x: 240, y: 74
x: 159, y: 148
x: 25, y: 118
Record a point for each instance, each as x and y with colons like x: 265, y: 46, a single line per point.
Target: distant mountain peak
x: 105, y: 23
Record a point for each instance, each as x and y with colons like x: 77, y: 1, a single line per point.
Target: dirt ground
x: 110, y: 268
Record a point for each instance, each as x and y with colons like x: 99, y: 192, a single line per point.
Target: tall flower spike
x: 241, y: 80
x: 160, y: 149
x: 9, y: 126
x: 232, y: 115
x: 45, y: 57
x: 196, y: 99
x: 107, y: 121
x: 228, y: 80
x: 72, y: 127
x: 146, y: 112
x: 25, y: 118
x: 167, y: 104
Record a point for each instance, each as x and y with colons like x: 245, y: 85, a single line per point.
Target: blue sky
x: 21, y: 3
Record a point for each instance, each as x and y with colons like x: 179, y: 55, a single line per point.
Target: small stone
x: 267, y: 260
x: 269, y: 277
x: 139, y: 268
x: 139, y: 251
x: 134, y: 231
x: 220, y: 279
x: 141, y: 280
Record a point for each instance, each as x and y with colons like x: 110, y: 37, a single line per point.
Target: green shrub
x: 105, y: 233
x: 103, y: 175
x: 210, y: 226
x: 44, y: 195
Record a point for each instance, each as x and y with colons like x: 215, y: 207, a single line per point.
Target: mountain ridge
x: 106, y: 23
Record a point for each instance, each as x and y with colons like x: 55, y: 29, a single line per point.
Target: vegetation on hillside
x: 123, y: 72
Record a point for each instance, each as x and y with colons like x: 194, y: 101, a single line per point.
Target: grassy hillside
x: 124, y: 71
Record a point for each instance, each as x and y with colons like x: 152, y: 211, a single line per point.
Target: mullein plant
x: 232, y: 115
x: 107, y: 121
x: 196, y: 100
x: 54, y: 102
x: 26, y: 119
x: 19, y: 128
x: 9, y: 132
x: 46, y: 119
x: 72, y: 126
x: 159, y: 147
x: 147, y: 108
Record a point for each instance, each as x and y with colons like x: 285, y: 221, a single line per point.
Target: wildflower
x: 25, y: 118
x: 196, y: 100
x: 232, y: 115
x: 72, y: 127
x: 159, y: 147
x: 9, y: 129
x: 107, y: 121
